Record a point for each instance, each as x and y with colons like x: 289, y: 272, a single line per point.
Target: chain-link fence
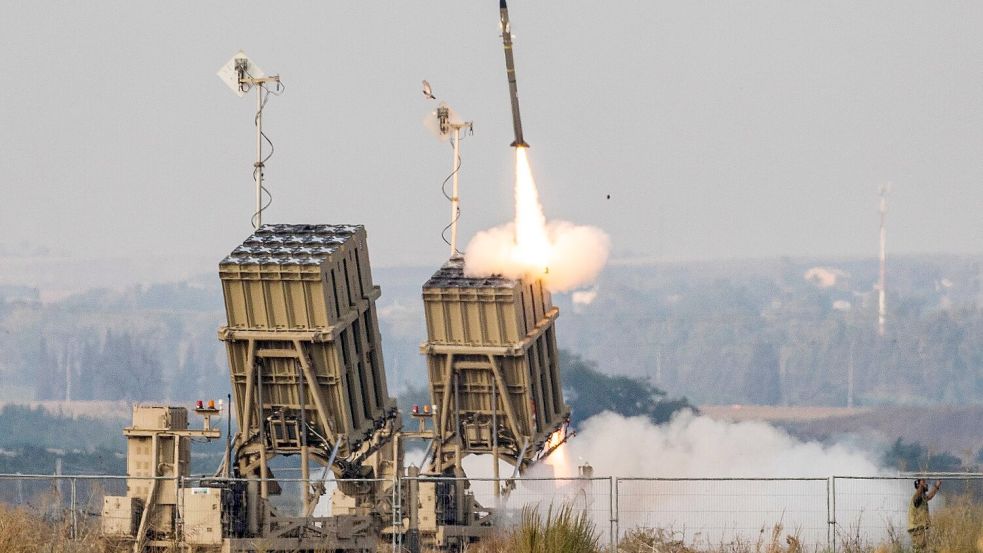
x: 80, y: 506
x: 706, y: 512
x: 867, y: 511
x: 502, y: 503
x: 846, y: 513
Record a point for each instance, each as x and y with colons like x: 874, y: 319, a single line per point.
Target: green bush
x: 563, y: 530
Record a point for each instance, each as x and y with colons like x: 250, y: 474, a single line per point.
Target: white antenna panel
x: 230, y: 75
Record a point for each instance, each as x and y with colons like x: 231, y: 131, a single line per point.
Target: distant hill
x: 958, y: 430
x: 772, y: 332
x: 761, y: 332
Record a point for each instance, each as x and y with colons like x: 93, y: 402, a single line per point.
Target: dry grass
x: 27, y: 531
x: 956, y: 528
x: 494, y: 544
x: 24, y: 532
x: 852, y: 541
x: 657, y: 540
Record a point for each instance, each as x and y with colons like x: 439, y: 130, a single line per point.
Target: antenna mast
x: 446, y: 126
x: 881, y: 291
x: 241, y: 74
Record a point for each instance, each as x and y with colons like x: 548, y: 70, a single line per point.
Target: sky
x: 719, y: 129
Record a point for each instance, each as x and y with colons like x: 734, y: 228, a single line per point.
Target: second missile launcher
x: 493, y: 366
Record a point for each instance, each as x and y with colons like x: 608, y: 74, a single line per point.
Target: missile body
x: 510, y: 72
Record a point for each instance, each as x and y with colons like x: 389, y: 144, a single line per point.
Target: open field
x: 958, y: 430
x: 779, y: 413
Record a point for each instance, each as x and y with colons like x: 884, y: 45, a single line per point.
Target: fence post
x: 74, y: 506
x: 615, y: 487
x: 179, y: 530
x: 395, y: 508
x: 832, y: 520
x: 829, y: 517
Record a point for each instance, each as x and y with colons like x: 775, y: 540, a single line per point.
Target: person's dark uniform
x: 918, y: 518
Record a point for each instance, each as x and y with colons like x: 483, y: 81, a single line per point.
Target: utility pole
x: 881, y: 285
x: 850, y: 371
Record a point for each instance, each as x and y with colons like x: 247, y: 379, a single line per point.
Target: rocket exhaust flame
x: 555, y: 453
x: 557, y: 439
x: 532, y: 247
x: 565, y: 256
x: 529, y: 247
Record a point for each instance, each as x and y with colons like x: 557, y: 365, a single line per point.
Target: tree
x: 48, y: 385
x: 589, y: 392
x: 916, y: 457
x: 763, y: 385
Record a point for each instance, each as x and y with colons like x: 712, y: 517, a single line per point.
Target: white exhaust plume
x: 583, y: 298
x: 564, y: 255
x: 698, y: 446
x: 729, y: 507
x: 695, y: 478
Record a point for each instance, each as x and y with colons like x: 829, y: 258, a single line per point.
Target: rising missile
x: 510, y: 72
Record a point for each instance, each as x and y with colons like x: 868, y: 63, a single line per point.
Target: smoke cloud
x: 700, y: 485
x: 694, y: 477
x: 698, y: 446
x: 577, y: 255
x: 564, y: 255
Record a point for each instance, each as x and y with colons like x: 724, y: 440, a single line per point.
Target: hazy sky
x: 720, y: 129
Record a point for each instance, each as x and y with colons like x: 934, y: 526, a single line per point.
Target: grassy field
x: 22, y: 531
x: 956, y: 528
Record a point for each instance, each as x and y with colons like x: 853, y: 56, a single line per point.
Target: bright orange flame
x: 558, y: 459
x: 533, y: 250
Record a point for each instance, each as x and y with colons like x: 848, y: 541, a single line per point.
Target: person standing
x: 918, y: 519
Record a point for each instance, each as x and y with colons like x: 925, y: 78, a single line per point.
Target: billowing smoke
x: 708, y: 482
x: 582, y: 298
x: 694, y: 477
x: 698, y: 446
x: 564, y: 255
